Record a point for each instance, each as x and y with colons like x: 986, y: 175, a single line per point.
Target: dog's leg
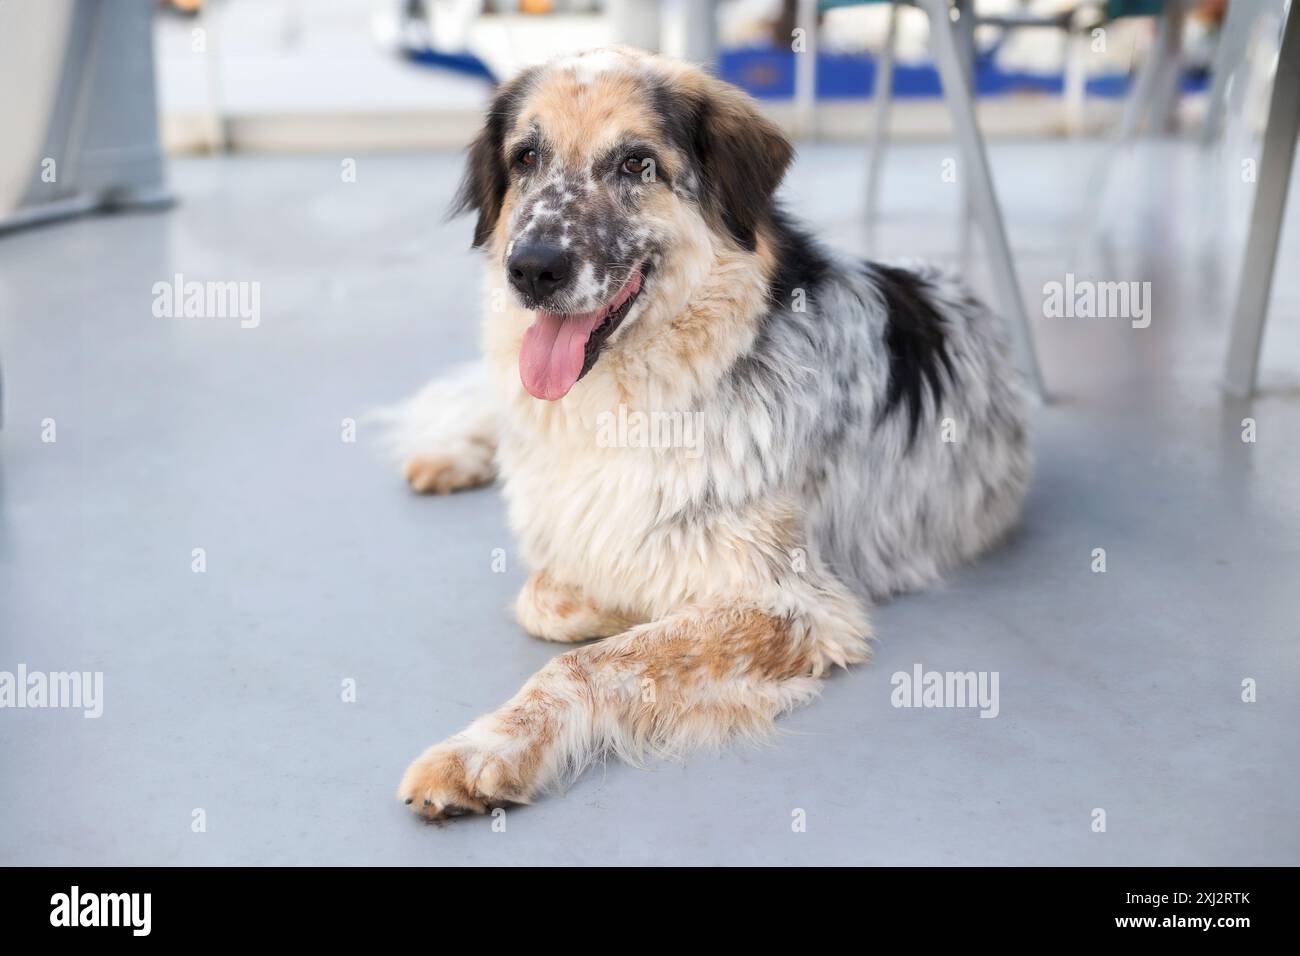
x: 446, y: 435
x: 554, y: 611
x: 697, y: 678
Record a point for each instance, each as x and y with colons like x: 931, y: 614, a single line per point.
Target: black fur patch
x: 738, y: 156
x: 915, y: 340
x: 679, y: 118
x: 800, y: 263
x: 483, y: 187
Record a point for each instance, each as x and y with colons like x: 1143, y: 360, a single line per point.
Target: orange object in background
x: 534, y: 6
x: 1211, y: 11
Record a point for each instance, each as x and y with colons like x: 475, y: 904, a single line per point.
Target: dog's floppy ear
x: 483, y: 187
x: 742, y: 156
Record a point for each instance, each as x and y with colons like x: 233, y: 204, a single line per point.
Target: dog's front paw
x: 455, y: 778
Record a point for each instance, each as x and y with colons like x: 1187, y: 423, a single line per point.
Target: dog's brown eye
x: 635, y: 166
x: 527, y: 157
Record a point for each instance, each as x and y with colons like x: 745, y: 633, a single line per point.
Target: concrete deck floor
x: 1119, y: 691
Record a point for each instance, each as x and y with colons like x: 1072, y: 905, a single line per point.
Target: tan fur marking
x: 435, y: 473
x: 699, y: 677
x: 559, y: 612
x: 582, y: 118
x: 438, y: 783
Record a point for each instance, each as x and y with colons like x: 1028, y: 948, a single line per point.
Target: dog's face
x: 593, y: 177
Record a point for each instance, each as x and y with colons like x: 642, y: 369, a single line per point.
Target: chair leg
x: 966, y: 49
x: 1142, y: 99
x: 1168, y: 87
x: 805, y: 70
x: 1276, y: 161
x: 1234, y: 41
x: 956, y: 89
x: 1139, y: 107
x: 884, y: 94
x: 1076, y: 82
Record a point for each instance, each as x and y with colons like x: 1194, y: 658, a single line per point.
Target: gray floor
x: 1119, y: 691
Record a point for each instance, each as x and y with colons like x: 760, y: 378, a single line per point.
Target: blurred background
x: 416, y: 73
x: 255, y: 75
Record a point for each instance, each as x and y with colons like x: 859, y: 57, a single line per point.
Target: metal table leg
x: 956, y: 90
x: 1234, y: 41
x: 1169, y: 57
x: 1275, y: 165
x: 883, y: 96
x: 700, y: 30
x: 805, y: 70
x: 966, y: 49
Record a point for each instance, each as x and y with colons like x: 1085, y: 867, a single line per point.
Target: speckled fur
x: 726, y: 578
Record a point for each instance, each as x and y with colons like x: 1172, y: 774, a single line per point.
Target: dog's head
x: 594, y: 178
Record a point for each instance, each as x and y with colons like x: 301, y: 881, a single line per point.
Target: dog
x: 855, y: 429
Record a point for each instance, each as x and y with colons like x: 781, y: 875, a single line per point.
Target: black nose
x: 537, y: 269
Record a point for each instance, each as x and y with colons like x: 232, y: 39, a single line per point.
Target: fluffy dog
x: 841, y: 430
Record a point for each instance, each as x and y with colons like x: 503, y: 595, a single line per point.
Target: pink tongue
x: 553, y: 352
x: 555, y: 346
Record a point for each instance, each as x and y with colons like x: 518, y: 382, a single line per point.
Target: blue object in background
x: 466, y: 63
x: 768, y: 73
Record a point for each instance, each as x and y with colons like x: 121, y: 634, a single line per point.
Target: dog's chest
x: 588, y: 509
x: 574, y: 492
